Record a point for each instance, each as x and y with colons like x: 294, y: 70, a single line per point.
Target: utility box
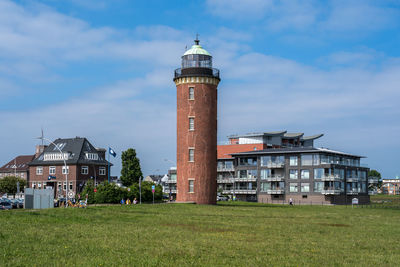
x: 39, y: 198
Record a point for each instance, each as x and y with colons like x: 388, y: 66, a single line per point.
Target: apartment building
x: 275, y: 167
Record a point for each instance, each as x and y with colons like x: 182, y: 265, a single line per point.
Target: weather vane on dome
x: 197, y: 41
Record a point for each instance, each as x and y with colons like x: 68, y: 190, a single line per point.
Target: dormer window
x: 92, y: 156
x: 56, y: 156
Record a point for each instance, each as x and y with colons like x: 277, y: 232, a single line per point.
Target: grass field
x: 242, y: 234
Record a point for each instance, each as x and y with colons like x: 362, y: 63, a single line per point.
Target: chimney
x: 39, y: 150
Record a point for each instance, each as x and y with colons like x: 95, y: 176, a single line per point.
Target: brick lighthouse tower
x: 196, y: 85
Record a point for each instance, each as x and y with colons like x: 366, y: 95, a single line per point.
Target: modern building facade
x: 196, y: 83
x: 84, y: 162
x: 391, y: 186
x: 274, y: 167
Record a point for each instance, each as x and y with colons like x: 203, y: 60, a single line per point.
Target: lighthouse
x: 196, y: 155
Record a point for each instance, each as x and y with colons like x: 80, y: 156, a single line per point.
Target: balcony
x: 171, y: 181
x: 352, y: 179
x: 225, y: 169
x: 245, y: 179
x: 274, y: 165
x: 273, y: 179
x: 331, y: 178
x: 352, y: 192
x: 276, y: 191
x: 240, y: 192
x: 331, y: 191
x: 196, y: 71
x: 173, y: 191
x: 225, y: 181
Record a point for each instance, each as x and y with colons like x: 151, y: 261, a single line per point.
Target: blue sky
x: 103, y: 70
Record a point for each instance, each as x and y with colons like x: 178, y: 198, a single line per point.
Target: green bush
x: 111, y: 193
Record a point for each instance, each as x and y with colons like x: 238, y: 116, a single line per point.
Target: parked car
x: 5, y: 205
x: 20, y: 203
x: 14, y: 203
x: 222, y: 198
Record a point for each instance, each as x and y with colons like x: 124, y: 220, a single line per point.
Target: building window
x: 52, y: 170
x: 59, y: 186
x: 70, y: 185
x: 65, y: 171
x: 293, y: 161
x: 316, y: 160
x: 191, y: 186
x: 84, y: 170
x: 318, y: 186
x: 318, y: 173
x: 191, y: 154
x: 33, y: 185
x: 306, y: 160
x: 92, y: 156
x: 293, y: 174
x: 39, y: 184
x: 191, y: 93
x: 305, y: 174
x: 305, y: 187
x: 293, y: 187
x: 191, y: 124
x: 102, y: 171
x: 65, y: 185
x: 39, y: 170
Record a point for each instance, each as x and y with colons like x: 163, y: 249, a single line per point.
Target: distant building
x: 391, y: 186
x: 278, y: 166
x: 153, y: 178
x: 84, y: 162
x: 17, y: 167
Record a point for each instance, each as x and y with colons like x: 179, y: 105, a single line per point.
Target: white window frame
x: 39, y: 170
x: 85, y: 170
x: 191, y: 92
x: 102, y: 170
x: 70, y: 186
x: 191, y: 185
x: 65, y: 186
x: 52, y: 170
x: 191, y: 123
x: 39, y: 185
x: 191, y: 154
x: 63, y: 170
x: 33, y: 185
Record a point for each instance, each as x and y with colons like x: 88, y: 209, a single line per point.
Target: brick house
x: 84, y: 163
x: 17, y: 167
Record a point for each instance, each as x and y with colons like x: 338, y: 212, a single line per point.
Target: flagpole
x: 108, y: 165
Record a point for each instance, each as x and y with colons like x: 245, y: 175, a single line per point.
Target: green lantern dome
x: 196, y: 50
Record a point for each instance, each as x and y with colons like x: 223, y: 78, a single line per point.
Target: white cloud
x: 320, y: 17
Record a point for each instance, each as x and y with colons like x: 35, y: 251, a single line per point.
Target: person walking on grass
x: 122, y: 202
x: 135, y: 201
x: 290, y: 201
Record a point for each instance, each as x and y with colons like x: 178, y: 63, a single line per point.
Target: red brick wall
x: 204, y: 140
x: 225, y: 150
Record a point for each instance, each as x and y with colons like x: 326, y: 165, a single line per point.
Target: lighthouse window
x: 191, y: 154
x: 191, y: 93
x: 191, y: 124
x: 191, y: 186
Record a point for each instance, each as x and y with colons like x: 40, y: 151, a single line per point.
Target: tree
x: 375, y: 173
x: 130, y: 172
x: 9, y: 184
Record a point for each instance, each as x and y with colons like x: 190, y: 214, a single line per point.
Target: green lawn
x: 222, y: 235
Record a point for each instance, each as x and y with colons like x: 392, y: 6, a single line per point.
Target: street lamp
x: 65, y: 166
